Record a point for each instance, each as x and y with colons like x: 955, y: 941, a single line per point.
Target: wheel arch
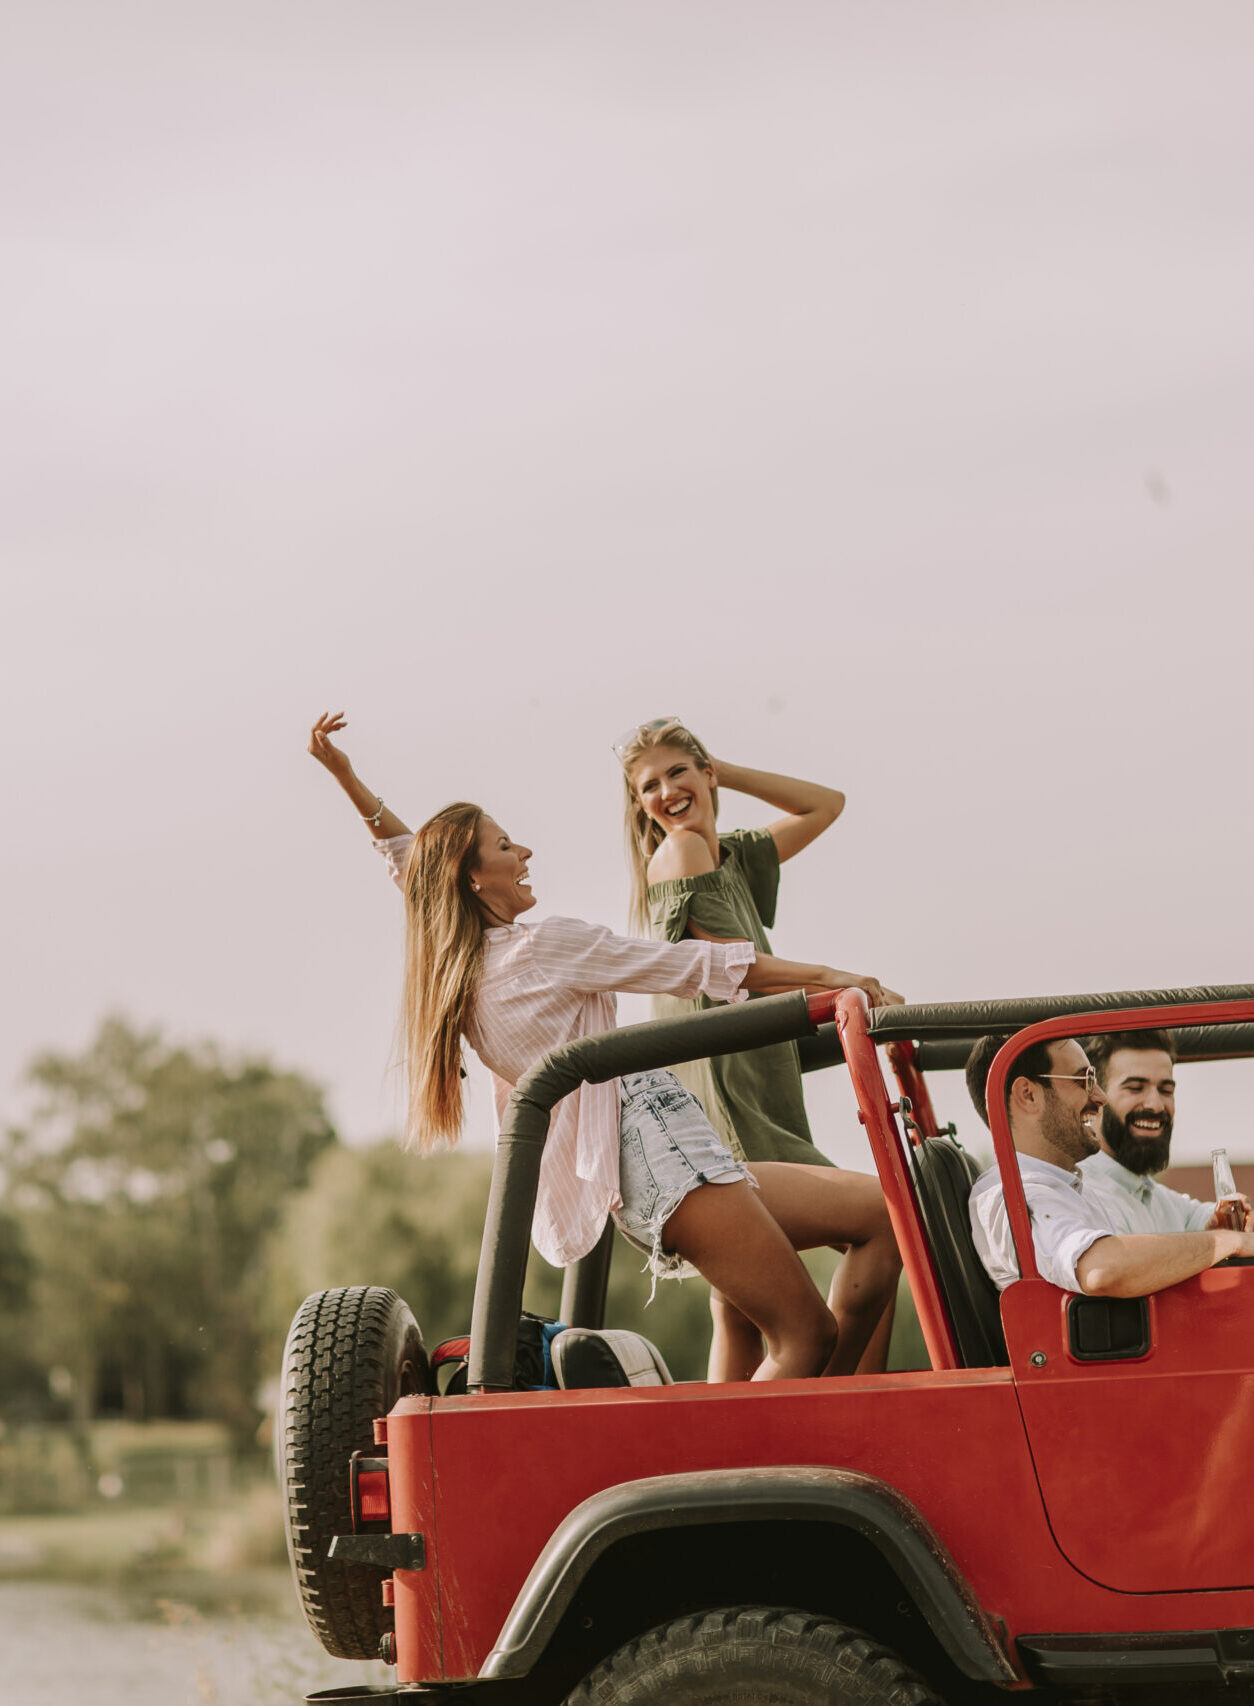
x: 801, y: 1497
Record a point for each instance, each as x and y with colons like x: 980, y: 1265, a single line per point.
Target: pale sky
x: 872, y: 386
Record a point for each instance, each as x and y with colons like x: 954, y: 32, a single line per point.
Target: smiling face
x: 499, y: 874
x: 1141, y: 1108
x: 1068, y: 1110
x: 674, y: 790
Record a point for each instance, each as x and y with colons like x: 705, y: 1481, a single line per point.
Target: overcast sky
x: 873, y: 386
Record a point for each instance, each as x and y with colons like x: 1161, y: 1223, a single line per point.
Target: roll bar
x: 945, y: 1032
x: 1193, y: 1042
x: 525, y: 1126
x: 971, y: 1019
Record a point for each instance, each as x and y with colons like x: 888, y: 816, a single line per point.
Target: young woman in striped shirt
x: 639, y: 1148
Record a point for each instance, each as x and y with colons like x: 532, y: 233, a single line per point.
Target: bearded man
x: 1136, y: 1071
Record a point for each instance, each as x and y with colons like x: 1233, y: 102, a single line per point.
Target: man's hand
x: 1219, y: 1221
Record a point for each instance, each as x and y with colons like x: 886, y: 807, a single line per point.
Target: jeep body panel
x: 1162, y: 1441
x: 411, y: 1493
x: 906, y: 1429
x: 841, y: 1497
x: 951, y: 1442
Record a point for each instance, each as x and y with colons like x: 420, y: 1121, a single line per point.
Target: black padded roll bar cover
x: 1193, y: 1042
x: 525, y: 1126
x: 824, y: 1048
x: 980, y: 1018
x: 664, y: 1042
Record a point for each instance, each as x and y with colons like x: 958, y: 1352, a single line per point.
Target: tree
x: 22, y: 1381
x: 146, y: 1181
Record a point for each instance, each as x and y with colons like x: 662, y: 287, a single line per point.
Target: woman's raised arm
x: 382, y: 823
x: 811, y: 807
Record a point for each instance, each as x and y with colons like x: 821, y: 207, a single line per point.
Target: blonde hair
x: 444, y: 928
x: 642, y: 835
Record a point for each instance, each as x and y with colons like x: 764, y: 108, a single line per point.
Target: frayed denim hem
x: 669, y: 1264
x: 667, y: 1148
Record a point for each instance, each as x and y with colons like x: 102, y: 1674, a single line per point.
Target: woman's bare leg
x: 727, y: 1233
x: 735, y: 1344
x: 874, y: 1359
x: 817, y: 1206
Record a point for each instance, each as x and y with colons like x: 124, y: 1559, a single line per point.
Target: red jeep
x: 1053, y: 1506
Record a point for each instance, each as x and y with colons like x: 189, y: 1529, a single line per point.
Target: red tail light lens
x: 368, y: 1490
x: 372, y: 1493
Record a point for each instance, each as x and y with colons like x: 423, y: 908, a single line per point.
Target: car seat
x: 943, y: 1175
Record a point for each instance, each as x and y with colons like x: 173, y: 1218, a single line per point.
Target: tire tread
x: 865, y: 1672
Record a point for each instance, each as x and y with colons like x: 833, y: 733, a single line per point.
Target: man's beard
x: 1137, y: 1154
x: 1067, y: 1130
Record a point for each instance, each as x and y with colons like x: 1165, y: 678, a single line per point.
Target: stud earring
x: 475, y: 887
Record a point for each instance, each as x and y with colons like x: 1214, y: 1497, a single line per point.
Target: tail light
x: 368, y: 1493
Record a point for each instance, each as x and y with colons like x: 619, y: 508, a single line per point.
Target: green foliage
x: 376, y: 1216
x: 145, y: 1183
x: 22, y: 1381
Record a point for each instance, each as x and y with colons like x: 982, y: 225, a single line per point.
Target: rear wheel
x: 753, y: 1656
x: 350, y: 1354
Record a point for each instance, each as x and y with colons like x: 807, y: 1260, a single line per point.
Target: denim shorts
x: 667, y: 1147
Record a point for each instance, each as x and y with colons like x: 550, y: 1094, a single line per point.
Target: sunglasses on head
x: 629, y: 736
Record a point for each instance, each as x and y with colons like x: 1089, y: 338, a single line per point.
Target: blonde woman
x: 689, y: 882
x: 639, y: 1148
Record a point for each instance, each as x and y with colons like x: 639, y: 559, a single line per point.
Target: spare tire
x: 350, y: 1354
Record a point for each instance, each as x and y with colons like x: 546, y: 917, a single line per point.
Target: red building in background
x: 1195, y: 1181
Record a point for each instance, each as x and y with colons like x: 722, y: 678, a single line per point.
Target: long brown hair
x: 443, y: 961
x: 642, y: 835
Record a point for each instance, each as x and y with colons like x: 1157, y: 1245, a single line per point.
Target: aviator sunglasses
x: 619, y: 746
x: 1088, y: 1078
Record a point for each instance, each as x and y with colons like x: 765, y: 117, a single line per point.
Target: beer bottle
x: 1230, y: 1211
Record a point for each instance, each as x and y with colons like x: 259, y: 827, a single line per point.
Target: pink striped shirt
x: 546, y: 984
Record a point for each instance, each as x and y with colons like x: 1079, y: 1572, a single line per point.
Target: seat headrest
x: 582, y: 1357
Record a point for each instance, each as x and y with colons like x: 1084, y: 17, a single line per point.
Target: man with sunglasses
x: 1053, y: 1102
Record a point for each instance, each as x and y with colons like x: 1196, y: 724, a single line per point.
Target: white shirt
x: 1065, y: 1221
x: 546, y: 984
x: 1134, y: 1202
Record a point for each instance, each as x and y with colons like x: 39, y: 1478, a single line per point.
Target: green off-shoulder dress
x: 753, y: 1099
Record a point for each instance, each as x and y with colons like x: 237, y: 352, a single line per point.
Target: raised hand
x: 324, y: 749
x: 811, y: 807
x: 383, y: 824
